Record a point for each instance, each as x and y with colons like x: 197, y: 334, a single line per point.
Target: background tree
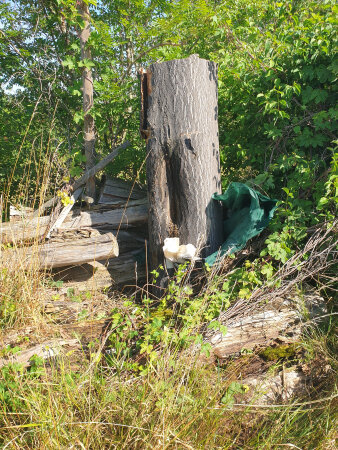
x: 87, y: 88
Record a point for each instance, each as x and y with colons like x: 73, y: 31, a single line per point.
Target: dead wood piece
x: 17, y: 213
x: 66, y: 310
x: 282, y: 319
x: 85, y: 177
x: 24, y: 230
x: 133, y: 216
x: 64, y: 212
x: 75, y: 234
x: 118, y: 202
x: 266, y: 389
x: 115, y: 191
x: 60, y: 254
x: 256, y: 330
x: 46, y: 350
x: 14, y: 338
x: 37, y: 227
x: 86, y: 331
x: 98, y: 275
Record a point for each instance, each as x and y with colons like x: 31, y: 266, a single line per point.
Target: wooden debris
x: 85, y: 331
x: 116, y: 191
x: 268, y: 389
x: 98, y: 275
x: 85, y: 177
x: 281, y: 319
x: 62, y: 254
x: 131, y: 216
x: 37, y: 227
x: 16, y: 214
x: 64, y: 212
x: 46, y: 350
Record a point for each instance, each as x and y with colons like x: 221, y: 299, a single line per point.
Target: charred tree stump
x: 179, y: 120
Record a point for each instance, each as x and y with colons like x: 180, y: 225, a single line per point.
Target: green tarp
x: 248, y: 213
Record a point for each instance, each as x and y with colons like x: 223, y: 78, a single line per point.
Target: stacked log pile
x: 89, y: 248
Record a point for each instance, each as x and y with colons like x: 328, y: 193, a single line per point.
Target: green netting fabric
x: 248, y: 213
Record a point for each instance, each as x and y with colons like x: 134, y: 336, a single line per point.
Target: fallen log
x: 60, y: 254
x: 102, y: 274
x: 47, y: 350
x: 37, y: 227
x: 130, y: 216
x: 85, y: 177
x: 266, y: 389
x: 280, y: 320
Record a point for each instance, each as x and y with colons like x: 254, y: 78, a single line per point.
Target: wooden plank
x: 64, y: 212
x: 85, y: 177
x: 37, y: 227
x: 102, y: 274
x: 115, y: 189
x: 62, y: 254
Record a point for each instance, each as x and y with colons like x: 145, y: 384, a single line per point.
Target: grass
x: 168, y: 397
x: 176, y: 404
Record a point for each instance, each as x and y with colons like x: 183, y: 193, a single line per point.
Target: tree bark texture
x: 87, y: 86
x: 179, y: 120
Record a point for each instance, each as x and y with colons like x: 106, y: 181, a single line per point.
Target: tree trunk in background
x: 87, y: 86
x: 179, y: 120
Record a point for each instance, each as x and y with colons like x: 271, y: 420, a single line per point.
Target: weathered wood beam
x: 102, y: 274
x: 85, y: 177
x: 37, y: 227
x: 60, y: 254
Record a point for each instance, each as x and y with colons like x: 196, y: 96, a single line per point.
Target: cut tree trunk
x: 180, y: 123
x: 61, y: 254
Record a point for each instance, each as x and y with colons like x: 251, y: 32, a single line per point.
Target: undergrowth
x: 181, y: 402
x: 154, y: 385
